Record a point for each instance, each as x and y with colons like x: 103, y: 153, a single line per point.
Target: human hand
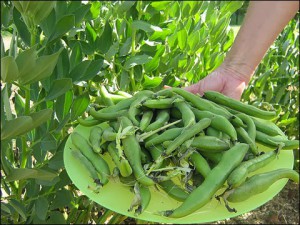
x: 224, y: 80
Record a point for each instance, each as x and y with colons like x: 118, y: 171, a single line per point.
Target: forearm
x: 263, y: 22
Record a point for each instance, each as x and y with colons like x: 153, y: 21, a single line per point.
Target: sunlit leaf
x: 137, y: 60
x: 151, y: 82
x: 145, y: 26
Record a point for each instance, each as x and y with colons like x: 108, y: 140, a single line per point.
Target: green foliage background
x: 61, y: 52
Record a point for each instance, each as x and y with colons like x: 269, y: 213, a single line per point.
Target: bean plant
x: 62, y: 52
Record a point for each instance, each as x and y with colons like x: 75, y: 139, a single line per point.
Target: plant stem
x: 132, y: 79
x: 33, y: 36
x: 104, y: 217
x: 32, y: 30
x: 7, y: 104
x: 36, y: 104
x: 27, y: 100
x: 12, y: 44
x: 26, y: 112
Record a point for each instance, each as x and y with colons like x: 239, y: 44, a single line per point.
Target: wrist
x: 240, y: 70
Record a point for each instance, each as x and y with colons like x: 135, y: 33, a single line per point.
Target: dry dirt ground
x: 282, y: 209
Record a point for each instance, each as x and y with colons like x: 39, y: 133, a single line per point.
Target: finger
x: 194, y: 88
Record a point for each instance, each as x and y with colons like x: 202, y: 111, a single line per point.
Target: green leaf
x: 87, y: 48
x: 62, y: 26
x: 230, y: 40
x: 9, y: 69
x: 81, y: 12
x: 23, y: 32
x: 126, y: 47
x: 47, y: 182
x: 63, y: 198
x: 231, y: 7
x: 5, y: 208
x: 137, y: 60
x: 186, y: 7
x: 63, y: 64
x: 138, y: 73
x: 56, y: 217
x: 172, y: 40
x: 56, y: 162
x: 288, y: 121
x: 93, y: 69
x: 64, y: 178
x: 193, y: 41
x: 23, y: 124
x: 145, y: 26
x: 18, y: 207
x: 15, y: 127
x: 5, y: 15
x: 27, y: 173
x: 76, y: 55
x: 41, y: 207
x: 26, y: 61
x: 40, y: 117
x: 79, y: 70
x: 91, y: 34
x: 124, y: 80
x: 95, y: 9
x: 151, y: 82
x: 5, y: 162
x: 48, y: 24
x: 175, y: 11
x: 154, y: 63
x: 104, y: 42
x: 160, y: 5
x: 38, y: 153
x: 43, y: 68
x: 48, y: 143
x: 112, y: 51
x: 63, y: 105
x: 161, y: 35
x: 40, y: 10
x: 58, y: 88
x: 19, y: 104
x: 125, y: 6
x: 79, y: 105
x: 62, y: 123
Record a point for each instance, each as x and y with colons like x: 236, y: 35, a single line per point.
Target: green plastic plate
x: 117, y: 196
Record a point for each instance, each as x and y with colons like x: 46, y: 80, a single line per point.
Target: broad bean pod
x: 98, y: 162
x: 259, y: 183
x: 132, y: 151
x: 213, y: 182
x: 239, y: 174
x: 188, y: 134
x: 209, y: 144
x: 162, y: 117
x: 238, y: 105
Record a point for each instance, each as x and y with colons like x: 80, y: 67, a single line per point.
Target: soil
x: 282, y: 209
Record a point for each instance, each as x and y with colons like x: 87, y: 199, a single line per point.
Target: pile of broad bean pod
x: 204, y: 142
